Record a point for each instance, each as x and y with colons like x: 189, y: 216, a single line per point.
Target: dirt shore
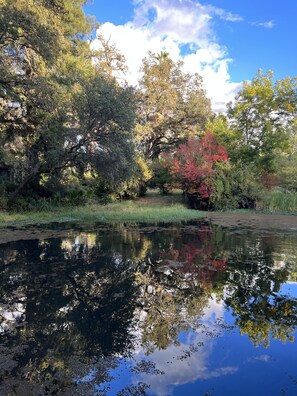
x: 254, y: 220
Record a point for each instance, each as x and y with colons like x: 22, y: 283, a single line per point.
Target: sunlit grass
x: 150, y: 209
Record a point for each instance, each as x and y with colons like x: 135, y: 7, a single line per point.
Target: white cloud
x: 184, y: 20
x: 267, y: 25
x: 172, y: 25
x: 227, y: 16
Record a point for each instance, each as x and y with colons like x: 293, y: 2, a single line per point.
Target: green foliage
x: 236, y: 187
x: 58, y: 110
x: 136, y: 185
x: 162, y: 178
x: 286, y: 172
x: 103, y: 190
x: 263, y: 116
x: 3, y: 196
x: 227, y: 136
x: 172, y: 105
x: 279, y: 200
x: 76, y: 197
x: 39, y: 41
x: 105, y: 114
x: 223, y: 195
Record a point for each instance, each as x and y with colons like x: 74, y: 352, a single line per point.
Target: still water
x: 192, y: 309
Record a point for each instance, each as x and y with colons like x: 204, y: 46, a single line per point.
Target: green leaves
x: 172, y: 105
x: 57, y: 110
x: 263, y: 114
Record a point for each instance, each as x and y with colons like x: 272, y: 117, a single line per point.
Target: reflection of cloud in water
x: 12, y: 316
x: 178, y: 370
x: 261, y: 358
x: 214, y: 310
x: 187, y: 362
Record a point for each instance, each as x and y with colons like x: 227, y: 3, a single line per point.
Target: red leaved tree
x: 194, y: 166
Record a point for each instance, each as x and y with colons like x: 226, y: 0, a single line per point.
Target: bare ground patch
x: 253, y: 220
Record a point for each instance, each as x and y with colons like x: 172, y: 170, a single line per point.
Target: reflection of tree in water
x: 176, y: 284
x: 71, y: 305
x: 253, y: 283
x: 71, y: 312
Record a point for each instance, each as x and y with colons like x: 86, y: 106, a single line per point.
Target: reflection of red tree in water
x: 198, y: 258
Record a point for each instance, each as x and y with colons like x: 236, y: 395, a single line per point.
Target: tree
x: 37, y: 39
x: 104, y: 138
x: 96, y: 134
x: 109, y: 59
x: 194, y: 166
x: 40, y: 43
x: 264, y: 116
x: 172, y: 105
x: 227, y: 136
x: 58, y: 110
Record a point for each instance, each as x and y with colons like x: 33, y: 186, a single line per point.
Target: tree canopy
x: 264, y: 116
x: 172, y: 105
x: 58, y: 110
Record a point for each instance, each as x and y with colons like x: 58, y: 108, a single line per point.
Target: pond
x: 189, y: 309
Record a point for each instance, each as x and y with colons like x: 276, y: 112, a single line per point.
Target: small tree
x: 194, y: 166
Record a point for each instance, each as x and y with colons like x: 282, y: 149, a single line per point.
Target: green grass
x: 150, y: 209
x: 279, y: 201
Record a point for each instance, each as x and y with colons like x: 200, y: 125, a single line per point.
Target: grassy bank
x: 152, y: 208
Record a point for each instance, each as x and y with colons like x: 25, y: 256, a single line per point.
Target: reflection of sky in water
x: 215, y: 360
x: 178, y: 364
x: 289, y: 288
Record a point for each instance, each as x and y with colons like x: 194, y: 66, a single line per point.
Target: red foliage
x: 198, y: 259
x: 193, y: 164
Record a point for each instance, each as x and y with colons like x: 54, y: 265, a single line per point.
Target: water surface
x: 175, y: 310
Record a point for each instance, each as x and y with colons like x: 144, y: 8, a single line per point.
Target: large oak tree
x: 57, y: 110
x: 172, y: 105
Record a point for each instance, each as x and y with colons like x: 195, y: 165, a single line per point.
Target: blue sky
x: 229, y: 39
